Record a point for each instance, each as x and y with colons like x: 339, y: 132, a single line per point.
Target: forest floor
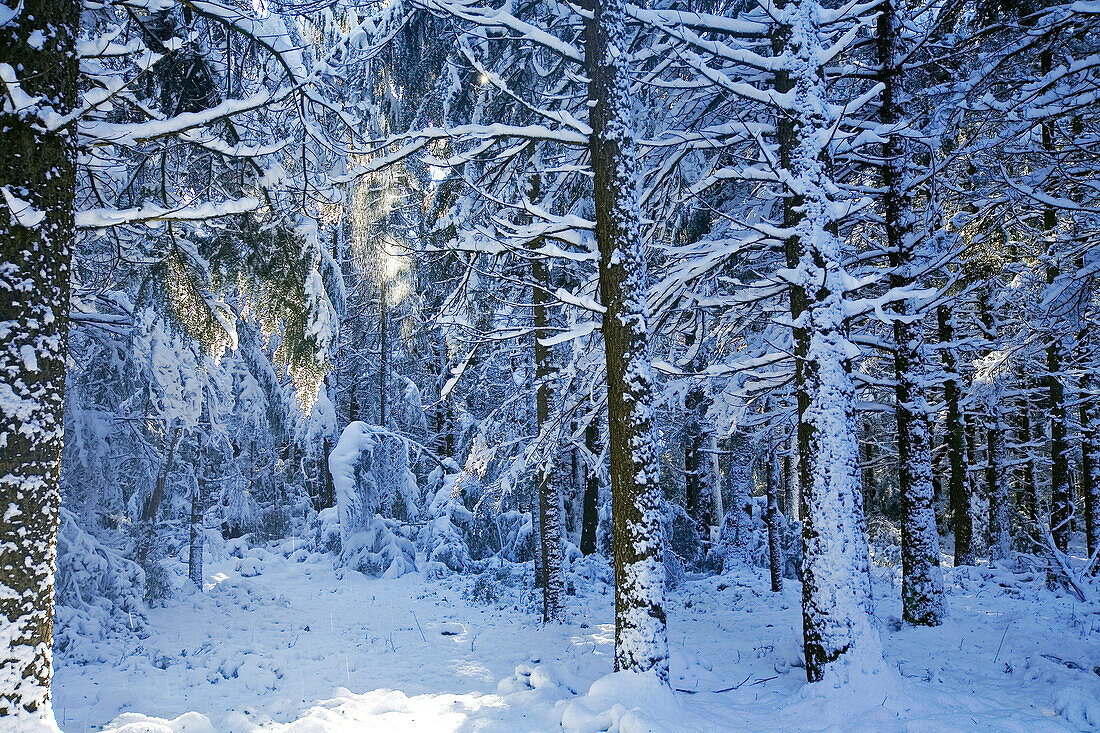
x: 296, y: 646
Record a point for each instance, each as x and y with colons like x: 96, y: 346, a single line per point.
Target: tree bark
x: 38, y: 174
x: 641, y: 642
x: 152, y: 507
x: 1027, y: 505
x: 194, y: 555
x: 1061, y: 502
x: 959, y: 498
x: 922, y: 579
x: 1000, y: 534
x: 775, y: 539
x: 1090, y: 464
x: 550, y: 492
x: 836, y: 593
x: 590, y: 518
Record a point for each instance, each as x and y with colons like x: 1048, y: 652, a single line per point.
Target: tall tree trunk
x: 1000, y: 535
x: 550, y: 492
x: 38, y: 176
x: 328, y: 498
x: 1027, y: 505
x: 591, y: 518
x: 641, y: 642
x: 1089, y: 415
x: 836, y: 592
x: 1090, y: 464
x: 697, y: 465
x: 1061, y: 503
x: 867, y: 466
x: 152, y: 507
x: 383, y: 343
x: 922, y: 580
x: 958, y: 496
x: 789, y: 481
x: 194, y: 555
x: 775, y: 540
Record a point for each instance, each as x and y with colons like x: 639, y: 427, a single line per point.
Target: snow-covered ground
x: 294, y: 645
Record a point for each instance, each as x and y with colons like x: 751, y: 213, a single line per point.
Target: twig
x: 998, y: 654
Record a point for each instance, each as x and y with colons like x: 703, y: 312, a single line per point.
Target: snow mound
x: 1079, y: 707
x: 186, y: 723
x: 626, y: 702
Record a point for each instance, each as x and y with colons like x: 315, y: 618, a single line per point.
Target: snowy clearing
x: 301, y: 647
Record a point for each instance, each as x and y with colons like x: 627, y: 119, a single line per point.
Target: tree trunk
x: 591, y: 518
x: 1061, y: 503
x: 38, y: 173
x: 1000, y: 534
x: 922, y: 580
x: 961, y: 520
x: 775, y: 540
x: 641, y: 642
x: 1089, y: 415
x: 1090, y: 464
x: 152, y: 507
x: 194, y: 556
x: 836, y: 592
x: 867, y: 465
x: 329, y: 497
x: 1026, y: 498
x: 550, y: 492
x: 697, y: 465
x: 383, y: 343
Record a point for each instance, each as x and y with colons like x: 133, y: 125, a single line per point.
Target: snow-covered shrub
x: 483, y: 589
x: 444, y: 536
x: 517, y: 533
x: 380, y: 549
x: 743, y: 540
x: 272, y: 524
x: 884, y: 540
x: 682, y: 536
x: 370, y: 543
x: 97, y: 591
x: 328, y: 531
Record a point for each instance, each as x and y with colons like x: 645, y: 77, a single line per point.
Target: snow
x: 302, y: 647
x: 22, y: 212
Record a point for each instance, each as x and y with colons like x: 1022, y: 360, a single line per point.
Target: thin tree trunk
x: 1061, y: 502
x: 958, y: 496
x: 383, y: 343
x: 38, y: 169
x: 1000, y: 535
x: 641, y: 642
x: 775, y: 540
x: 329, y: 497
x: 591, y: 518
x: 1027, y: 505
x: 789, y: 481
x: 1089, y: 415
x: 550, y: 493
x: 1090, y: 464
x: 867, y: 465
x: 194, y: 556
x: 152, y: 507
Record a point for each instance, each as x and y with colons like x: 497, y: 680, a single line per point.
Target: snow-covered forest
x: 533, y: 365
